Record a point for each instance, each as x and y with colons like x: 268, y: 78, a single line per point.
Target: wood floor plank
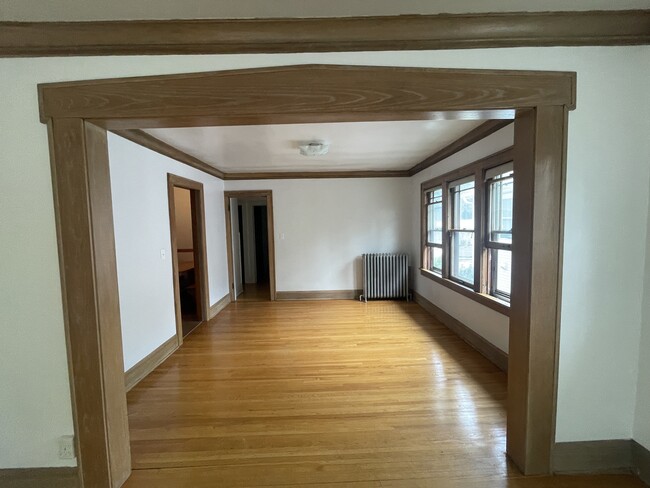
x: 326, y: 394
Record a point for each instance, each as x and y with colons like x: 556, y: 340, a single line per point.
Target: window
x: 467, y: 230
x: 461, y: 231
x: 433, y: 244
x: 498, y: 242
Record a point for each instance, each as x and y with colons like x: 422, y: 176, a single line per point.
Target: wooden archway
x: 79, y: 113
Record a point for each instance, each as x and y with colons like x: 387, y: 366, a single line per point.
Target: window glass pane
x: 434, y: 216
x: 462, y: 256
x: 500, y: 201
x: 434, y: 259
x: 463, y: 206
x: 501, y: 262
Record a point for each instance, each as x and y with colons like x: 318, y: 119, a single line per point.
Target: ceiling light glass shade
x: 314, y: 148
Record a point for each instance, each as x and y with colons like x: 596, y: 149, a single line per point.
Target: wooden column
x: 82, y: 200
x: 539, y: 163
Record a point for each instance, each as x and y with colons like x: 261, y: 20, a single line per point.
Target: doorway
x: 187, y: 231
x: 78, y: 115
x: 249, y: 228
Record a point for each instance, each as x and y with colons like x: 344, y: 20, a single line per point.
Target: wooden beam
x: 281, y: 90
x: 384, y: 33
x: 473, y: 136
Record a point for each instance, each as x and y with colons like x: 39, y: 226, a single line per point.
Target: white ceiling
x: 353, y: 145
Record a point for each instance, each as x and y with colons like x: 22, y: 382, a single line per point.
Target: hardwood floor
x: 326, y: 394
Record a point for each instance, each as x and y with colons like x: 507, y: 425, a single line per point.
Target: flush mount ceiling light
x: 314, y: 148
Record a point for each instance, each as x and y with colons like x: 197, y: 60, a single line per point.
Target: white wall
x: 601, y: 317
x: 327, y: 225
x: 141, y: 219
x: 189, y: 9
x: 488, y: 323
x: 642, y: 415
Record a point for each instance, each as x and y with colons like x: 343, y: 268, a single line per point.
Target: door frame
x: 78, y: 115
x: 268, y: 196
x: 199, y: 245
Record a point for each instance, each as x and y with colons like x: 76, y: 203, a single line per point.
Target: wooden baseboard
x: 39, y: 478
x: 608, y: 456
x: 641, y: 462
x: 486, y: 348
x: 219, y: 306
x: 318, y: 295
x: 145, y: 366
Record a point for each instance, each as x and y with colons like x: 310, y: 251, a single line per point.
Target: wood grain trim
x: 150, y: 142
x: 481, y: 298
x: 641, y: 462
x: 383, y: 33
x: 495, y: 355
x: 217, y: 307
x: 607, y: 456
x: 200, y: 251
x: 319, y: 295
x: 281, y: 90
x: 83, y: 209
x: 540, y: 168
x: 40, y: 477
x: 302, y: 175
x: 473, y: 136
x: 217, y: 119
x: 146, y: 365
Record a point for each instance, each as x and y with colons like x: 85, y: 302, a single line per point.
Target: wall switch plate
x: 66, y: 447
x: 163, y: 253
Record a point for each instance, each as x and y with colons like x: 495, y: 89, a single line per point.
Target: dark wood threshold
x: 495, y: 355
x: 378, y: 33
x: 487, y: 300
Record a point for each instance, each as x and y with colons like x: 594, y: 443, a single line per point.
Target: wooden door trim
x: 376, y: 33
x: 200, y: 247
x: 268, y: 196
x: 82, y: 207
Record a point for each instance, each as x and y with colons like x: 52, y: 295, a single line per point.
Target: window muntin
x: 434, y: 229
x: 498, y: 239
x: 461, y: 231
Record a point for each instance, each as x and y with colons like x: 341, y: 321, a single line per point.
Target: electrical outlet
x: 66, y: 447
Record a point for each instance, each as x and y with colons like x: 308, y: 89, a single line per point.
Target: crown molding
x: 383, y: 33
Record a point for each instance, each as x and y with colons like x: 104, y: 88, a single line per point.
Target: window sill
x: 487, y: 300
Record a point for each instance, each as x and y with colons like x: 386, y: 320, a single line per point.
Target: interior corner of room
x: 210, y: 320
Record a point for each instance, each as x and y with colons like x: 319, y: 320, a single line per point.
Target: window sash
x: 454, y: 266
x: 493, y: 228
x: 429, y: 258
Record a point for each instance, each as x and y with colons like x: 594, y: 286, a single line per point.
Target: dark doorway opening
x: 261, y: 244
x: 249, y: 225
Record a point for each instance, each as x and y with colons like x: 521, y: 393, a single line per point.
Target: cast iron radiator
x: 385, y: 276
